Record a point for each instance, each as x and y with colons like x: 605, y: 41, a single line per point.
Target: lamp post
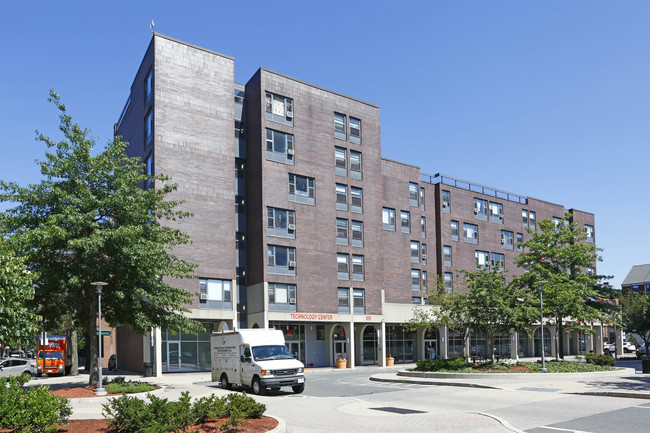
x: 100, y: 389
x: 541, y: 322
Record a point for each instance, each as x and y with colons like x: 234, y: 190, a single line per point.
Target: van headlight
x: 301, y: 370
x: 265, y: 372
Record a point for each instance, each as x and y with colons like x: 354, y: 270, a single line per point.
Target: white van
x: 257, y: 358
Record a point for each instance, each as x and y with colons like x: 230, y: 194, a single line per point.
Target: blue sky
x: 545, y: 99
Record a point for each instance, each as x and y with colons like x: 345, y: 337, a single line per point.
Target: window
x: 282, y: 297
x: 341, y: 231
x: 415, y: 252
x: 301, y: 189
x: 341, y: 197
x: 281, y: 260
x: 520, y: 242
x: 480, y: 209
x: 357, y: 233
x: 148, y: 167
x: 531, y: 220
x: 388, y: 218
x: 359, y: 299
x: 343, y: 266
x: 590, y: 270
x: 424, y: 280
x: 589, y: 231
x: 148, y: 127
x: 524, y: 218
x: 339, y: 126
x: 448, y: 279
x: 416, y: 300
x: 356, y: 200
x: 496, y: 212
x: 446, y: 201
x: 344, y: 300
x: 340, y: 161
x: 424, y: 254
x: 240, y: 205
x: 405, y: 221
x: 507, y: 240
x: 240, y: 241
x: 357, y: 268
x: 446, y: 255
x: 281, y: 222
x: 421, y: 198
x: 215, y: 293
x: 279, y: 146
x: 423, y: 227
x: 239, y: 96
x: 482, y: 259
x: 557, y: 221
x: 454, y: 230
x: 355, y: 165
x: 148, y: 85
x: 498, y: 261
x: 470, y: 233
x: 279, y: 109
x: 355, y: 130
x: 415, y: 279
x: 413, y: 194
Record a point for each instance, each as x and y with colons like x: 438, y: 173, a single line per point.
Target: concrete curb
x: 430, y: 382
x: 281, y: 427
x: 501, y: 421
x: 596, y: 374
x: 613, y: 394
x: 106, y: 397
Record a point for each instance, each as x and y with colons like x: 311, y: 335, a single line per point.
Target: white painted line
x: 565, y: 429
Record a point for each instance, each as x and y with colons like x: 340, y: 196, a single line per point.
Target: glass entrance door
x: 173, y: 356
x: 340, y: 350
x: 297, y: 350
x: 430, y: 349
x: 369, y: 353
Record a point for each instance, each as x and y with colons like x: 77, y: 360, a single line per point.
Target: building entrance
x: 340, y: 343
x: 369, y: 353
x: 173, y: 356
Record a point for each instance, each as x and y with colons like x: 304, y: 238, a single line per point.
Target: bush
x: 451, y: 364
x: 128, y: 388
x: 607, y: 360
x: 35, y: 410
x: 131, y: 414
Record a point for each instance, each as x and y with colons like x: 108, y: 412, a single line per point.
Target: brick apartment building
x: 300, y: 224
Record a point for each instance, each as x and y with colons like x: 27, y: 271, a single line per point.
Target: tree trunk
x: 74, y: 348
x: 490, y: 348
x: 91, y: 344
x: 560, y: 339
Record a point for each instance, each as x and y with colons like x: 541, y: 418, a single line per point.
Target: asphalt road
x: 347, y: 401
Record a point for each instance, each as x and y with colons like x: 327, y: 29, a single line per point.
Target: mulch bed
x: 511, y: 369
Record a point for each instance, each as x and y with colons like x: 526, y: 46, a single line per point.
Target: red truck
x: 56, y: 355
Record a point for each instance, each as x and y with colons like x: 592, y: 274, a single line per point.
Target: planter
x: 341, y: 363
x: 390, y: 362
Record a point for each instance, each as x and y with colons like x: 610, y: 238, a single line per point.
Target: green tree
x: 635, y: 315
x: 558, y: 256
x: 90, y: 219
x: 496, y: 306
x: 18, y: 324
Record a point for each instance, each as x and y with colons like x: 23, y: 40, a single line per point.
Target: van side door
x: 247, y: 367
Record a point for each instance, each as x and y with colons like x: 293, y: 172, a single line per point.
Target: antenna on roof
x: 151, y: 26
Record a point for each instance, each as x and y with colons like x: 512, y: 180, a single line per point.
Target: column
x: 157, y: 340
x: 351, y: 348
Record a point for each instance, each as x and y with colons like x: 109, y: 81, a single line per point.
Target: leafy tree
x: 636, y: 315
x: 496, y: 306
x: 90, y: 219
x: 18, y: 324
x: 558, y: 256
x: 485, y: 303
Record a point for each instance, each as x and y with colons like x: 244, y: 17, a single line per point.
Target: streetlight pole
x: 541, y: 322
x: 100, y: 389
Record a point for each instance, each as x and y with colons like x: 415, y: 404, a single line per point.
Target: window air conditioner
x: 292, y: 264
x: 290, y: 151
x: 292, y: 300
x: 203, y: 296
x: 424, y: 256
x: 291, y: 227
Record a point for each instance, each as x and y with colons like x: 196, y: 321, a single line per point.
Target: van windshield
x: 264, y: 353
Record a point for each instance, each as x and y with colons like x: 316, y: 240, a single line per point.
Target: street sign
x: 104, y: 332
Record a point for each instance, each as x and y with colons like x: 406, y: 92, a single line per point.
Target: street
x: 347, y: 401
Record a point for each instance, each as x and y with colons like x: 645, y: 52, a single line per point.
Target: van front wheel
x: 258, y: 388
x: 298, y: 388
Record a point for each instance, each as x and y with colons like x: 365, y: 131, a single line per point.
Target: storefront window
x: 455, y: 349
x: 186, y: 352
x: 400, y: 343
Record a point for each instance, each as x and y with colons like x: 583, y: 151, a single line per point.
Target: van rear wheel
x: 224, y: 382
x: 298, y: 388
x: 258, y: 388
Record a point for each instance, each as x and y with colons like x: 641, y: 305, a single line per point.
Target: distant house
x: 638, y: 279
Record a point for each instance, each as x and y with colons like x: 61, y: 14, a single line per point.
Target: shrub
x: 160, y: 415
x: 35, y: 410
x: 451, y: 364
x: 592, y: 358
x: 128, y: 387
